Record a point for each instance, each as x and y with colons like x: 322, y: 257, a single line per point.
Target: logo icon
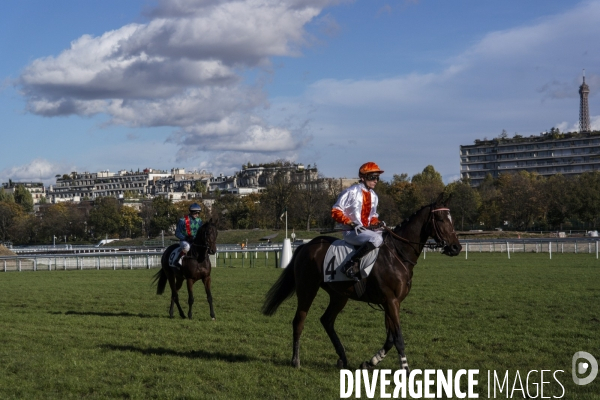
x: 590, y: 365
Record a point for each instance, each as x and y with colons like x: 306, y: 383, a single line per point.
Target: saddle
x: 338, y: 254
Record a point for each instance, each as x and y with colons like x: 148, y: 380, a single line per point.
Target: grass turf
x: 105, y: 334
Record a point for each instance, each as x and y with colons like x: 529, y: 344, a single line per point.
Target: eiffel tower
x: 584, y: 111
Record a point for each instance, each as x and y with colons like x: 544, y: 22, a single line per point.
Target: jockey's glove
x: 358, y: 229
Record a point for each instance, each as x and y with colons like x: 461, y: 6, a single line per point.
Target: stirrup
x: 348, y: 270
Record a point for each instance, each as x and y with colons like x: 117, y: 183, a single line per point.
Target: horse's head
x: 207, y: 237
x: 442, y: 229
x: 211, y: 236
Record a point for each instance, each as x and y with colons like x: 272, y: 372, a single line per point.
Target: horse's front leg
x: 392, y: 311
x: 190, y: 289
x: 394, y: 337
x: 206, y: 282
x: 380, y: 355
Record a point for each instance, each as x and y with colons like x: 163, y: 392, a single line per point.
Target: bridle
x: 439, y: 241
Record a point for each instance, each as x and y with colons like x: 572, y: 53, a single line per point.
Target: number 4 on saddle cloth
x: 338, y: 254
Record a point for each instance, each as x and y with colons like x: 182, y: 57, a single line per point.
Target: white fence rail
x: 79, y: 261
x: 259, y: 256
x: 529, y: 246
x: 548, y: 246
x: 130, y: 260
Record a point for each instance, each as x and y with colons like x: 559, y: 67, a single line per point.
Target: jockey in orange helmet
x: 354, y: 211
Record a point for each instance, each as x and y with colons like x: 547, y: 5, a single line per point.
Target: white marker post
x: 286, y: 253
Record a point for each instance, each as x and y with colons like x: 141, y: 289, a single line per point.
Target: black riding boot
x: 352, y: 267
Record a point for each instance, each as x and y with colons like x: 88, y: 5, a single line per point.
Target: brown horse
x: 388, y: 283
x: 195, y: 266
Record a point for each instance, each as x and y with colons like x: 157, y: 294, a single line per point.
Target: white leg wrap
x: 380, y: 355
x: 403, y: 362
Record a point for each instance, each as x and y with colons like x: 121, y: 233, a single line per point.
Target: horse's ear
x: 448, y: 200
x: 440, y: 198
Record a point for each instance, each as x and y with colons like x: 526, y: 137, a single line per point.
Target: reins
x: 424, y: 244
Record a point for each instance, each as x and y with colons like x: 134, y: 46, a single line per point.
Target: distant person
x: 187, y: 227
x: 356, y: 210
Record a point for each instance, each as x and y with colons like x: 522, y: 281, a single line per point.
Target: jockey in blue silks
x: 187, y: 227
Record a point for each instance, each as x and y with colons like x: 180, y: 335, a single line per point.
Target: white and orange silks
x: 357, y: 204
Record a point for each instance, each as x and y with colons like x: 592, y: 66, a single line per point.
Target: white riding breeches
x: 375, y: 237
x: 184, y: 246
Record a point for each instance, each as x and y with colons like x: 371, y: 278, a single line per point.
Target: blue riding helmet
x: 195, y: 207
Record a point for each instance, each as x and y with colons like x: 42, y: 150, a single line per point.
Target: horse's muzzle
x: 452, y: 249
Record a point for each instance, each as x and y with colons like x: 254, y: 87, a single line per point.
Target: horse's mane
x: 409, y: 219
x: 200, y: 237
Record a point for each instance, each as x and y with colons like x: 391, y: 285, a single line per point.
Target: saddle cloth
x: 173, y: 256
x: 338, y: 253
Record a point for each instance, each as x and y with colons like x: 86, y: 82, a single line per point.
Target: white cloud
x: 38, y: 170
x: 181, y: 69
x: 595, y: 122
x: 451, y: 178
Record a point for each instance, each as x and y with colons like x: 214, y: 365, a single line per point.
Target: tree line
x: 522, y: 201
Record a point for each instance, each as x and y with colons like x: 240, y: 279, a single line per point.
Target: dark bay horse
x: 388, y: 283
x: 195, y: 266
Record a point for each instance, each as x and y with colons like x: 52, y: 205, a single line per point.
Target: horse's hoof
x: 366, y: 365
x: 341, y: 364
x: 214, y: 319
x: 296, y: 363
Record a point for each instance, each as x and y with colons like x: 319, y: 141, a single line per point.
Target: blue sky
x: 90, y: 85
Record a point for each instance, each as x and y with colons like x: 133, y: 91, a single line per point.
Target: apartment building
x: 548, y: 154
x: 179, y: 185
x: 254, y: 178
x: 262, y: 175
x: 79, y: 186
x: 36, y: 189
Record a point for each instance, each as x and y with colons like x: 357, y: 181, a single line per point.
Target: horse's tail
x: 161, y: 277
x: 283, y: 289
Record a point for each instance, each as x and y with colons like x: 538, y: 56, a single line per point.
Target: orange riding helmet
x: 369, y: 168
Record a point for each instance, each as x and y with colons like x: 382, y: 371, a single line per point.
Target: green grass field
x: 106, y: 334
